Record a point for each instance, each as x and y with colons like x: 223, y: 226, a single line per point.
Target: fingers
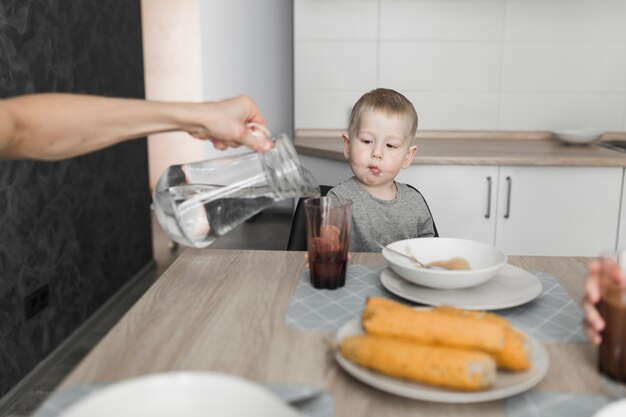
x: 592, y: 285
x: 593, y: 322
x: 218, y: 144
x: 593, y: 336
x: 257, y: 137
x: 259, y: 127
x: 593, y: 317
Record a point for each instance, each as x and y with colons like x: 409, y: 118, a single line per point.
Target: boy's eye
x: 366, y: 141
x: 390, y: 146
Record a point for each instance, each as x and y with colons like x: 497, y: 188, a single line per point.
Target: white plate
x: 189, y: 394
x: 506, y: 384
x: 511, y: 287
x: 614, y: 409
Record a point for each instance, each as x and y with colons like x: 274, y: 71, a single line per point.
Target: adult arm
x: 58, y: 126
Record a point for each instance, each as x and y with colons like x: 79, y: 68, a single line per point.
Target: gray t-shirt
x: 384, y: 221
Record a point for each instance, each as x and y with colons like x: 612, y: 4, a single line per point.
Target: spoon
x: 455, y: 264
x: 409, y: 257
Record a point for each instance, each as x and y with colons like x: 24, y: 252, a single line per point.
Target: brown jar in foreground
x: 612, y: 351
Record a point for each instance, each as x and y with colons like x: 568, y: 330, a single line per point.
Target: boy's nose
x: 377, y: 153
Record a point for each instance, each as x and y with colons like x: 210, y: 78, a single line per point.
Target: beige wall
x: 173, y: 72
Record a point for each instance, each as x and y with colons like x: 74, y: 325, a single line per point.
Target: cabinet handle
x: 509, y: 182
x: 488, y: 214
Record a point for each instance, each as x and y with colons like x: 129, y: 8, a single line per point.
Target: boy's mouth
x: 374, y: 169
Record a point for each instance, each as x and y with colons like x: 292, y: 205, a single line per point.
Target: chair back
x: 297, y: 235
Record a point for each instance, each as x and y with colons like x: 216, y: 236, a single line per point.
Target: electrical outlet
x: 36, y: 301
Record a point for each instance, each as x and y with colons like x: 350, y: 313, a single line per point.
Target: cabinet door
x: 565, y: 211
x: 462, y: 198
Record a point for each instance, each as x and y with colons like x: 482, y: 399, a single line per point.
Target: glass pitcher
x: 198, y: 202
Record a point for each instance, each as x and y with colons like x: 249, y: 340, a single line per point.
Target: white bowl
x: 485, y: 261
x: 614, y: 409
x: 578, y: 136
x: 189, y: 394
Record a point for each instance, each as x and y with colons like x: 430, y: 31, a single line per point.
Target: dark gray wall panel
x: 81, y: 226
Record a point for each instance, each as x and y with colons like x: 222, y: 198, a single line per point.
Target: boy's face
x: 381, y: 148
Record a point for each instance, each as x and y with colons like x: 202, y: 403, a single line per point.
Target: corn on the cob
x: 478, y: 315
x: 437, y: 365
x: 514, y: 356
x: 387, y: 318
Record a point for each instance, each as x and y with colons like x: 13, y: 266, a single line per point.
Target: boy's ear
x: 346, y: 146
x: 408, y: 158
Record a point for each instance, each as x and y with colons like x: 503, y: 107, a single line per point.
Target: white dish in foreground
x: 506, y: 385
x: 614, y: 409
x: 511, y: 287
x: 189, y: 394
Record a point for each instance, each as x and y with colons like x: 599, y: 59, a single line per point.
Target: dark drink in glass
x: 328, y: 267
x: 328, y: 238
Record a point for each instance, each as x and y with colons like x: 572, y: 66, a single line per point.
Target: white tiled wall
x: 465, y: 64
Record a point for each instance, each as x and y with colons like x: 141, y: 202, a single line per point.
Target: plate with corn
x: 441, y: 354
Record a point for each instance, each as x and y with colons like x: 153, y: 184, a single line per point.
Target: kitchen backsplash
x: 465, y: 64
x: 81, y: 226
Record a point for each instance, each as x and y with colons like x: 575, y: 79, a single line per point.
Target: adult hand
x: 231, y: 123
x: 597, y: 269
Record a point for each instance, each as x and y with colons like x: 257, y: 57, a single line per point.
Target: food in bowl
x: 443, y: 346
x: 484, y: 260
x: 455, y: 264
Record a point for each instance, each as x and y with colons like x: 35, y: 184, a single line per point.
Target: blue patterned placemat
x: 550, y: 404
x: 308, y: 399
x: 551, y: 316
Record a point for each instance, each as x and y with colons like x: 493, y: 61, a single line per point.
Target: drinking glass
x: 328, y: 238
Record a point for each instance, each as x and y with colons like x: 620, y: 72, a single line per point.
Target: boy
x: 379, y: 143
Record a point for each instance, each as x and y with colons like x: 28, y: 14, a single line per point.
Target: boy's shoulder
x: 347, y: 186
x: 351, y: 189
x: 409, y: 191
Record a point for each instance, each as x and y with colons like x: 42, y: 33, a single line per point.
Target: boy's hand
x: 593, y: 321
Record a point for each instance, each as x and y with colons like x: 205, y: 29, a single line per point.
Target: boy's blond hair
x: 388, y: 101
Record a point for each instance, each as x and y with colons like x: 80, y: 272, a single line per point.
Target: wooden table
x: 223, y: 310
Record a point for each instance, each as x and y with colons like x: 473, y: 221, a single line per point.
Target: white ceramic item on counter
x: 578, y: 136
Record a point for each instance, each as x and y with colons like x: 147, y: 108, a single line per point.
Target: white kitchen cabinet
x: 568, y: 211
x: 523, y: 210
x: 462, y: 198
x: 571, y: 211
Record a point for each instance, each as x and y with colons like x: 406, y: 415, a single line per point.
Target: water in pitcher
x: 200, y: 215
x: 197, y: 203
